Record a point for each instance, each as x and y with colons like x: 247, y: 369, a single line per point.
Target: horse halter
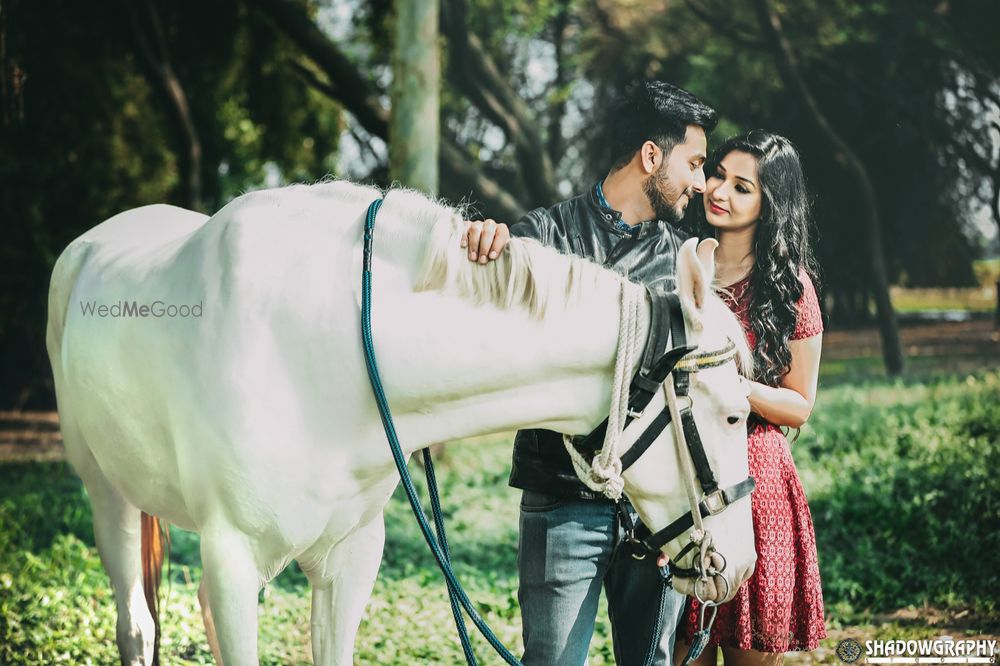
x: 679, y: 363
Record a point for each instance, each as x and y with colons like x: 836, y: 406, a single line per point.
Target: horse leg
x: 342, y: 584
x: 206, y: 618
x: 232, y: 582
x: 117, y: 532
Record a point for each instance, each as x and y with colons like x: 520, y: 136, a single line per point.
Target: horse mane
x: 527, y: 274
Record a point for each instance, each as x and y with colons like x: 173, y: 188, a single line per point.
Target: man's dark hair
x: 655, y: 111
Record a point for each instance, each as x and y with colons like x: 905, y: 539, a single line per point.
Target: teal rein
x: 439, y: 544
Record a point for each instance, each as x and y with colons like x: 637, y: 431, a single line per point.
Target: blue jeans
x: 568, y: 549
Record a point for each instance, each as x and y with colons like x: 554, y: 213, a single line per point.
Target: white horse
x: 209, y: 372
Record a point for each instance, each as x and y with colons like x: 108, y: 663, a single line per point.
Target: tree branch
x: 725, y: 26
x: 310, y: 77
x: 152, y: 50
x: 788, y: 66
x: 473, y: 72
x: 608, y: 26
x: 458, y: 182
x: 361, y: 98
x: 353, y: 91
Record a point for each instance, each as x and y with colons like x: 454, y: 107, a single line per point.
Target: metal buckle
x: 635, y: 414
x: 715, y: 502
x: 637, y: 546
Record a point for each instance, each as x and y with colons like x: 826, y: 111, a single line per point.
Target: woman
x: 756, y: 205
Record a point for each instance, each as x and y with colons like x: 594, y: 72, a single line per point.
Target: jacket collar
x: 612, y: 219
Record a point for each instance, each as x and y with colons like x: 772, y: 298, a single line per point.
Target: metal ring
x: 698, y: 596
x: 725, y: 562
x: 708, y: 602
x: 726, y: 581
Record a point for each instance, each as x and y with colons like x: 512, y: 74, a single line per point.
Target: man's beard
x: 663, y: 197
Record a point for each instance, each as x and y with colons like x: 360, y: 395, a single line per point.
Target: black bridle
x: 680, y: 361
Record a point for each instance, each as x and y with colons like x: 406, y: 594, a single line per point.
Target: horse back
x: 219, y: 408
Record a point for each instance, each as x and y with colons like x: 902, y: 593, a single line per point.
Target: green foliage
x: 89, y: 135
x: 901, y: 478
x: 987, y: 272
x: 904, y: 492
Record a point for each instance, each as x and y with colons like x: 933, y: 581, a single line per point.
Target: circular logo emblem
x: 849, y: 650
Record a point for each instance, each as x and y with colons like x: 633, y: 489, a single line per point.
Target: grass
x: 901, y: 477
x: 987, y: 271
x: 973, y: 299
x: 902, y: 483
x: 56, y: 605
x: 919, y: 369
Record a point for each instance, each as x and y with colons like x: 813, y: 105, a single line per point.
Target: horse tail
x: 153, y: 537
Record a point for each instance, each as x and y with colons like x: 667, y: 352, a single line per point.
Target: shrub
x: 903, y: 488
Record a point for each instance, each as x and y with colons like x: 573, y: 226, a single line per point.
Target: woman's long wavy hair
x: 781, y: 246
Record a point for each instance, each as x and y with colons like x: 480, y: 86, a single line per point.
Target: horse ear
x: 706, y: 254
x: 693, y: 281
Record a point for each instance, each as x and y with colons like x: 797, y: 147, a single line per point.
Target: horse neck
x: 499, y: 371
x: 454, y: 369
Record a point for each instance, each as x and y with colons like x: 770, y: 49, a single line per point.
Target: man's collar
x: 613, y: 217
x: 610, y: 215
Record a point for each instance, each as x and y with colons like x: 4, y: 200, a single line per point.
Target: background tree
x: 414, y: 130
x: 869, y: 231
x: 87, y: 132
x: 293, y: 90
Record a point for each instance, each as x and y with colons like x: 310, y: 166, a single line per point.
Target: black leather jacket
x: 585, y: 227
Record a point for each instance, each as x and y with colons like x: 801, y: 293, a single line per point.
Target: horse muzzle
x: 720, y: 582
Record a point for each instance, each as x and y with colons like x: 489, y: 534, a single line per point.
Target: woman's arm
x: 792, y: 402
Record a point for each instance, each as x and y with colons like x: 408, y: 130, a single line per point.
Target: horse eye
x: 733, y: 420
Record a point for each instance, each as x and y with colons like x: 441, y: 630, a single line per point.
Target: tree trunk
x: 892, y: 349
x: 414, y: 126
x: 152, y: 50
x: 560, y: 28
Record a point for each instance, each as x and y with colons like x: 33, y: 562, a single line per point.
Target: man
x: 569, y: 534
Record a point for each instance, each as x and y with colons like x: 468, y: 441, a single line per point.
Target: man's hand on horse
x: 485, y: 239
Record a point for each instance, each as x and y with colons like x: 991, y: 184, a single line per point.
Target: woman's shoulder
x: 809, y: 321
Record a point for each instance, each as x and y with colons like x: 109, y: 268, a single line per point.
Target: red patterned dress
x: 780, y: 608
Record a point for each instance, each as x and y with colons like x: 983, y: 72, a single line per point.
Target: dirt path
x: 980, y: 337
x: 30, y: 437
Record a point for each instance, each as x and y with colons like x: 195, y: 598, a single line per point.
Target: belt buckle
x: 715, y: 502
